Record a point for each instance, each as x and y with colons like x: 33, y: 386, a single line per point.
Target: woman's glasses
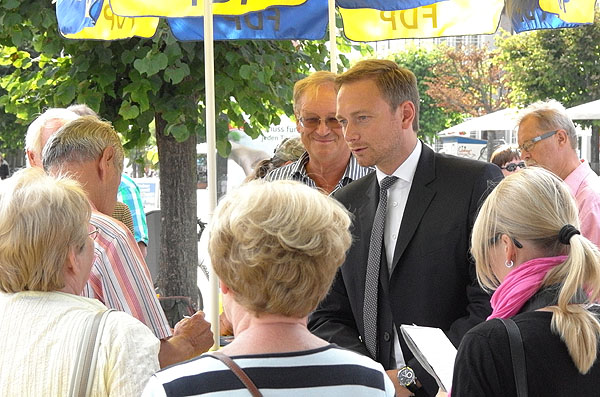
x: 510, y: 167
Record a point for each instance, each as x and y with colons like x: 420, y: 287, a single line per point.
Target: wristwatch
x: 407, y: 378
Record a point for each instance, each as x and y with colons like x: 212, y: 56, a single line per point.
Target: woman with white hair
x: 46, y: 253
x: 546, y: 278
x: 276, y: 247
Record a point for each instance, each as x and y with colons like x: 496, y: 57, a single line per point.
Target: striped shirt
x: 129, y: 193
x: 297, y: 171
x: 326, y: 371
x: 120, y: 277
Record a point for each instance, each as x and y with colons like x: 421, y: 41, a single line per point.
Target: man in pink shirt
x: 547, y: 138
x: 89, y: 150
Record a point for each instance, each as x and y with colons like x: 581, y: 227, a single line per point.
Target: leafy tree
x: 134, y: 82
x: 433, y: 118
x: 562, y: 64
x: 469, y: 80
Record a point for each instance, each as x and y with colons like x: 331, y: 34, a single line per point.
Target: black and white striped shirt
x: 327, y: 371
x: 297, y: 171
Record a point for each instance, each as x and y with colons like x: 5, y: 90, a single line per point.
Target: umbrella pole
x: 211, y: 159
x: 332, y: 43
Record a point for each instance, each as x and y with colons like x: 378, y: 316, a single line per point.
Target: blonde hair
x: 533, y: 205
x: 51, y: 119
x: 550, y: 115
x: 277, y: 246
x: 396, y: 84
x: 310, y: 84
x: 41, y: 218
x: 82, y: 140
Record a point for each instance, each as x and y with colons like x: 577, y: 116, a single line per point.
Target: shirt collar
x: 407, y: 169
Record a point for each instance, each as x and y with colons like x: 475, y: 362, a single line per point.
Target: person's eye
x: 362, y: 119
x: 343, y: 122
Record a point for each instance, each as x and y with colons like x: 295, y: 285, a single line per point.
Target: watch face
x: 406, y: 376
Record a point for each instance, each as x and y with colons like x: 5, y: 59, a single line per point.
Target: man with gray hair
x: 41, y: 129
x: 547, y: 138
x: 90, y: 151
x: 327, y: 163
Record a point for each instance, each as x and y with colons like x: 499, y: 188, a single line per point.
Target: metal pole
x: 211, y: 158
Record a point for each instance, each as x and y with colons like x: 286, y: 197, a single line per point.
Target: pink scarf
x: 520, y: 285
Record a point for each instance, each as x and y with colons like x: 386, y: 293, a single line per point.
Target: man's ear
x: 31, y: 158
x: 106, y: 161
x: 71, y: 265
x: 563, y: 138
x: 408, y: 112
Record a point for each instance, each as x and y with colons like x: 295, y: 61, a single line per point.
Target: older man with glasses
x: 327, y: 163
x: 547, y: 139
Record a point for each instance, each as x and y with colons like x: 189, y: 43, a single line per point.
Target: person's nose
x: 350, y: 133
x: 322, y: 129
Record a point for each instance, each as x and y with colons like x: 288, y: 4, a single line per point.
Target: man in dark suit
x: 425, y: 274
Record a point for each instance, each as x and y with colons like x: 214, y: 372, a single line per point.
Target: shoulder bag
x: 518, y: 355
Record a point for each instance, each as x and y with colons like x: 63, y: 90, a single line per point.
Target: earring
x: 508, y: 263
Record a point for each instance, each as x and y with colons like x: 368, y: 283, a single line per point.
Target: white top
x: 41, y: 332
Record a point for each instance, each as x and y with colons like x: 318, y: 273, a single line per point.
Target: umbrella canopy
x: 586, y: 111
x: 363, y: 20
x: 502, y: 120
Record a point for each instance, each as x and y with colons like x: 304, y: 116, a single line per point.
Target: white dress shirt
x: 397, y: 198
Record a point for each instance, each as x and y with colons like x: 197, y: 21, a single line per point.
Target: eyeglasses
x: 313, y: 123
x: 94, y: 233
x: 495, y: 239
x: 510, y: 167
x: 528, y: 145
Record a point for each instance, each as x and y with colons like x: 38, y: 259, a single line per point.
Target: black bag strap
x: 239, y: 372
x: 518, y: 356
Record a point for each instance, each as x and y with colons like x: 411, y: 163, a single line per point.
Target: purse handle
x: 239, y: 372
x: 85, y: 364
x: 518, y: 356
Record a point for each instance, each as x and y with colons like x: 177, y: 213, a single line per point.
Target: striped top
x: 297, y: 171
x: 120, y: 277
x: 129, y: 193
x: 327, y: 371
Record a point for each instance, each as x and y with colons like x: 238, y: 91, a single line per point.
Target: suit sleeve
x: 478, y: 307
x: 334, y: 321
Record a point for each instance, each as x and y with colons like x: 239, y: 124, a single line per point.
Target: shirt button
x: 394, y: 236
x: 386, y: 336
x: 395, y: 203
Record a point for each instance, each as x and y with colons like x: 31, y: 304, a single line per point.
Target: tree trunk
x: 178, y: 245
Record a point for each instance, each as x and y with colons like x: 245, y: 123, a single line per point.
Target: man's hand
x: 401, y: 391
x: 441, y: 393
x: 192, y: 336
x: 196, y: 330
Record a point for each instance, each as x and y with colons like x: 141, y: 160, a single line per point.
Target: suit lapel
x: 419, y: 198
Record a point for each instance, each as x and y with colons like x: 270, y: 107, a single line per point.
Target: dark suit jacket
x: 433, y: 281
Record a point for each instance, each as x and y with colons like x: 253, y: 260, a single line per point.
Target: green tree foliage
x: 562, y: 64
x: 433, y: 118
x: 133, y: 82
x: 469, y: 80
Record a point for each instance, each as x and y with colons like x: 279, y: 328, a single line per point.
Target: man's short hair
x: 396, y: 84
x: 41, y: 218
x: 81, y: 140
x: 52, y: 118
x: 309, y: 84
x: 550, y: 115
x: 277, y: 245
